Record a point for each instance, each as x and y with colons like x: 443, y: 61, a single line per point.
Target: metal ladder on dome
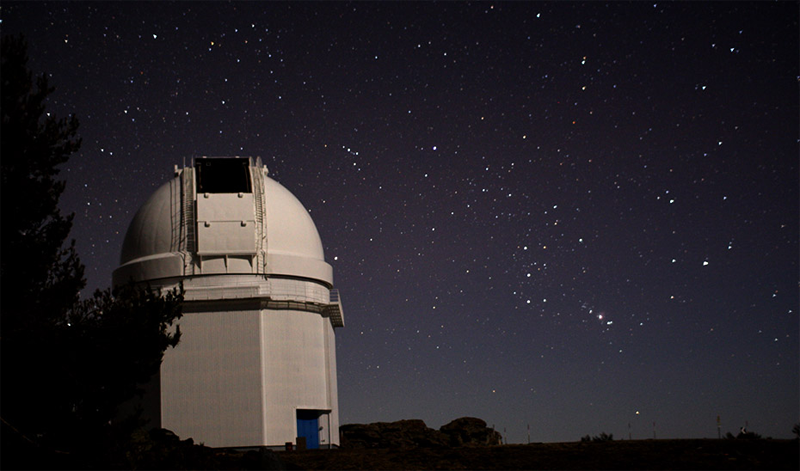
x: 188, y: 222
x: 261, y: 233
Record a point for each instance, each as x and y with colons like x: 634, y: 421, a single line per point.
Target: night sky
x: 578, y: 216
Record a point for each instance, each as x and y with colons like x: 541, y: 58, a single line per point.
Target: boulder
x: 470, y: 431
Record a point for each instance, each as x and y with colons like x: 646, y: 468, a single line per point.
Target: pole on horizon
x: 719, y: 429
x: 529, y: 434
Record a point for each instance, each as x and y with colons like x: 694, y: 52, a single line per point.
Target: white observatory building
x: 256, y: 362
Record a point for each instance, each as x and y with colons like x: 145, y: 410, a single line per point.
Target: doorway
x: 308, y: 427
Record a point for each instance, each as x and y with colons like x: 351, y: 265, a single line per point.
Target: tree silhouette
x: 41, y: 277
x: 116, y: 341
x: 67, y: 365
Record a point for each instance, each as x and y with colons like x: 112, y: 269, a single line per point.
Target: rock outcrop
x: 466, y: 431
x: 400, y: 434
x: 470, y: 431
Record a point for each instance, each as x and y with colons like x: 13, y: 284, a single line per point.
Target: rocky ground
x: 637, y: 454
x: 467, y: 443
x: 464, y: 443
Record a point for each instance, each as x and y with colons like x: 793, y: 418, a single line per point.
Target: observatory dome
x: 256, y: 365
x: 222, y: 216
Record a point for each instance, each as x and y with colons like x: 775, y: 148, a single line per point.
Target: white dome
x: 179, y: 232
x: 291, y: 230
x: 150, y: 231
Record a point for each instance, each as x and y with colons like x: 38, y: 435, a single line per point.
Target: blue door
x: 308, y: 427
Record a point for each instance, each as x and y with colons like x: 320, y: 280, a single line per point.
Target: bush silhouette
x: 603, y: 437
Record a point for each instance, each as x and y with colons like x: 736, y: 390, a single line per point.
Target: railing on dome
x: 332, y: 310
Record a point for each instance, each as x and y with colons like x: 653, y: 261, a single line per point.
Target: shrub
x: 603, y: 437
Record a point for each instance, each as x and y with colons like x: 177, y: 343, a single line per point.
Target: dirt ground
x: 643, y: 454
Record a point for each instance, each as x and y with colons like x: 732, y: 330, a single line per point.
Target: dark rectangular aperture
x: 223, y: 175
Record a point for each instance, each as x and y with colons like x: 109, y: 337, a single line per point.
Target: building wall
x: 296, y: 371
x: 211, y: 383
x: 242, y: 371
